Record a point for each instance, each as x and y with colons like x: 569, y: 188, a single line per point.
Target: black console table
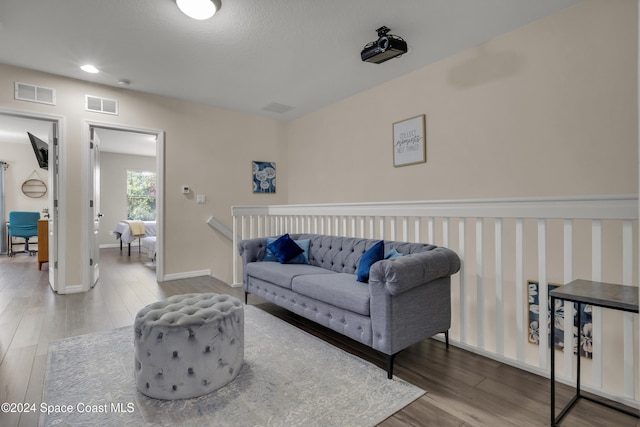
x: 598, y: 294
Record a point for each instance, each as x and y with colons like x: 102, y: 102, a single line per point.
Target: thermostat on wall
x: 184, y: 189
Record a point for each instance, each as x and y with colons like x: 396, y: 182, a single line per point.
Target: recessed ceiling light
x: 89, y: 69
x: 199, y: 9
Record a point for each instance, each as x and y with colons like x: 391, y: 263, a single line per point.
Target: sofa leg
x: 446, y: 338
x: 246, y: 297
x: 390, y: 358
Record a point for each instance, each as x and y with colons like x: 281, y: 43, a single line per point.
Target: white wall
x: 22, y: 166
x: 548, y: 109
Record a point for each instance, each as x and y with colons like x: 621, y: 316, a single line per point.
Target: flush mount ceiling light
x: 199, y: 9
x: 90, y: 69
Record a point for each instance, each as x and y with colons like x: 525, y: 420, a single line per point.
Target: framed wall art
x: 409, y: 142
x: 583, y: 343
x: 264, y: 177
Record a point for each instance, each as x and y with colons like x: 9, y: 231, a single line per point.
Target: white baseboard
x: 111, y: 245
x: 186, y: 275
x: 73, y: 289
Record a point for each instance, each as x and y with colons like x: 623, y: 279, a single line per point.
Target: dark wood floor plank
x: 34, y: 391
x: 15, y: 372
x: 422, y: 413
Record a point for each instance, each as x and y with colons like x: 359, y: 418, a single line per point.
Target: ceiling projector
x: 385, y: 48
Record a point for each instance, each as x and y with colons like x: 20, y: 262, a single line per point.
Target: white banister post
x: 430, y: 231
x: 568, y: 305
x: 445, y: 232
x: 522, y: 327
x: 596, y: 313
x: 479, y: 282
x: 234, y: 250
x: 462, y: 275
x: 500, y: 302
x: 416, y: 229
x: 543, y: 297
x: 627, y: 280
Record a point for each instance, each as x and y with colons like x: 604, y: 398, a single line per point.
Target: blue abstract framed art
x: 264, y: 177
x: 584, y: 343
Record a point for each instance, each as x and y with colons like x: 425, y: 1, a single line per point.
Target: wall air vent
x: 101, y: 105
x: 33, y: 93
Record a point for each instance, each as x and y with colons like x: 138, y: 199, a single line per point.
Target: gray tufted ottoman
x: 188, y: 345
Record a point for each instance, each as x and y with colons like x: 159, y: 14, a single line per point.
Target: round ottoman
x: 188, y: 345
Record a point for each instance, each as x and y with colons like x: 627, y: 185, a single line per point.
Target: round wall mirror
x: 34, y: 188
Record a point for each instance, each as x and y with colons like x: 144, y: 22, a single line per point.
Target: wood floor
x: 463, y: 389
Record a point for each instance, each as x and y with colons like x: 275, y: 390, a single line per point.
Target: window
x: 141, y: 195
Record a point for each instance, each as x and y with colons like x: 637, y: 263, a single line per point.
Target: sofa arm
x: 252, y: 250
x: 403, y: 273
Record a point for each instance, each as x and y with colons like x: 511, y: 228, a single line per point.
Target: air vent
x: 33, y: 93
x: 275, y: 107
x: 101, y: 105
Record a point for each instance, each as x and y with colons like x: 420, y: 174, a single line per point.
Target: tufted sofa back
x: 342, y: 254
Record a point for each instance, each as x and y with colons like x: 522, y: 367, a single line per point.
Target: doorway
x: 107, y: 144
x: 14, y: 126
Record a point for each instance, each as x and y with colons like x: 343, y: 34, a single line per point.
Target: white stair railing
x: 502, y: 243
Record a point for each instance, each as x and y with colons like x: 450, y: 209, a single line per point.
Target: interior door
x: 54, y: 166
x: 94, y: 206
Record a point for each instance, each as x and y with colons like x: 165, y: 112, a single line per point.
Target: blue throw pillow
x: 302, y: 258
x: 392, y: 253
x: 268, y: 255
x: 285, y: 249
x: 371, y: 256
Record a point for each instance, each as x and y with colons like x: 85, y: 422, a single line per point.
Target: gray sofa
x: 407, y: 298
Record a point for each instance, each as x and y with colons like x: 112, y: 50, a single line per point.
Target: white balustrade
x: 533, y: 239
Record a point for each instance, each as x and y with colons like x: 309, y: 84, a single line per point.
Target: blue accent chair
x: 24, y: 225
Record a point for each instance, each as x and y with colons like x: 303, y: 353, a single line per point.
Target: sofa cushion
x: 282, y: 274
x: 337, y: 289
x: 285, y: 249
x: 371, y: 256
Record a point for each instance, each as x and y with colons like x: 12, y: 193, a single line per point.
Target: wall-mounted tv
x: 41, y: 150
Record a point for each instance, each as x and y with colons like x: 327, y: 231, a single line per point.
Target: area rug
x: 289, y: 378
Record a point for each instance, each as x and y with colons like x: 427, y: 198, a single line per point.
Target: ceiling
x: 253, y: 54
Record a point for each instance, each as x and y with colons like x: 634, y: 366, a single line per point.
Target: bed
x: 123, y: 232
x: 149, y: 246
